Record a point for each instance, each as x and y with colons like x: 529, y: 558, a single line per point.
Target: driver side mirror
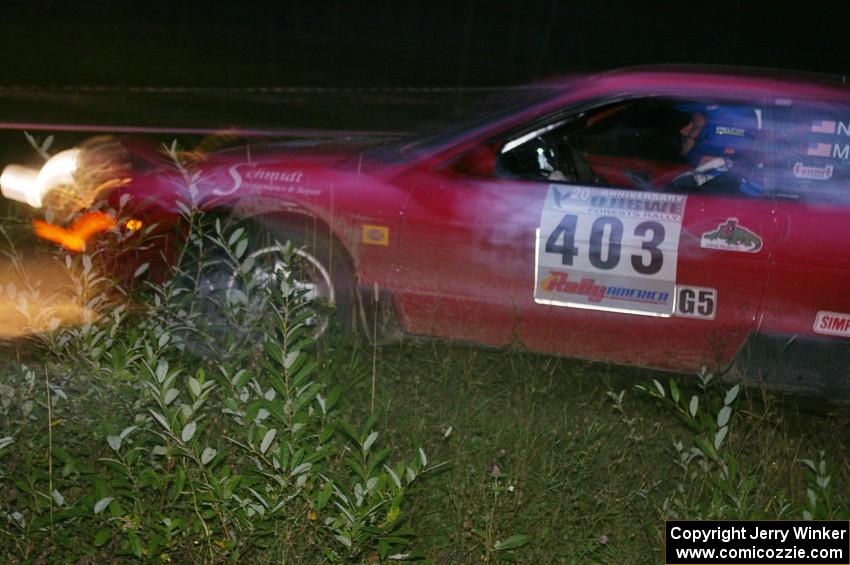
x: 479, y: 161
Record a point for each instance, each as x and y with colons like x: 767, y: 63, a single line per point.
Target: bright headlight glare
x: 17, y: 184
x: 26, y: 185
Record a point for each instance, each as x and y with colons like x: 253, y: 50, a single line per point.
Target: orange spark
x: 133, y: 224
x: 74, y: 238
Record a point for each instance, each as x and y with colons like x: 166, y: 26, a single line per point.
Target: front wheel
x: 315, y: 263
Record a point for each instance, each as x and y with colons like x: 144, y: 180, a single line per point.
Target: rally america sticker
x: 832, y: 323
x: 608, y: 249
x: 731, y: 236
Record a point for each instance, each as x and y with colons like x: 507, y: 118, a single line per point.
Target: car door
x: 657, y: 277
x: 662, y: 289
x: 568, y: 266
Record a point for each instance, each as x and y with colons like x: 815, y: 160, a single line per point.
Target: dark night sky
x: 401, y: 43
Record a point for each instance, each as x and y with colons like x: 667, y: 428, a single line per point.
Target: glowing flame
x: 74, y: 238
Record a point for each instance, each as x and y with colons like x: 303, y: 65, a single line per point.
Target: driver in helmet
x: 718, y: 141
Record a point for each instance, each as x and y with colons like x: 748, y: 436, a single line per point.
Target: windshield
x: 478, y: 109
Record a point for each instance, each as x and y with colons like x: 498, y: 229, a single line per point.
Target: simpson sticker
x: 696, y: 302
x: 605, y: 249
x: 832, y: 323
x: 731, y: 236
x: 376, y: 235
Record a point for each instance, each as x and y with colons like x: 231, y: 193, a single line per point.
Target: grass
x: 540, y: 457
x: 536, y: 447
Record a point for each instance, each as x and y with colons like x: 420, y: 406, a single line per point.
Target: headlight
x: 29, y: 186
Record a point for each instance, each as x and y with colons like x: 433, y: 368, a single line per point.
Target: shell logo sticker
x: 376, y: 235
x: 731, y: 236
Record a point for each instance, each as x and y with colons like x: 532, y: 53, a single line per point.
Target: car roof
x: 739, y: 71
x: 705, y: 82
x: 713, y: 80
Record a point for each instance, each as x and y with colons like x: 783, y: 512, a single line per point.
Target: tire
x: 322, y: 267
x: 318, y: 264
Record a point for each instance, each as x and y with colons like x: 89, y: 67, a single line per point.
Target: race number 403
x: 608, y: 249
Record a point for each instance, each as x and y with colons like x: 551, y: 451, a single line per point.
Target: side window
x: 646, y: 144
x: 810, y: 151
x: 641, y: 130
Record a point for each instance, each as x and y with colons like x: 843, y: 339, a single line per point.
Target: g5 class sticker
x: 696, y: 302
x: 608, y: 249
x: 731, y: 236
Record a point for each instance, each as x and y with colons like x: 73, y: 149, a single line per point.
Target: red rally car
x: 659, y: 217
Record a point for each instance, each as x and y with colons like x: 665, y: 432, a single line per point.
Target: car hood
x: 326, y: 152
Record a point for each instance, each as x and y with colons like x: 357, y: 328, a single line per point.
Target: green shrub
x: 129, y: 438
x: 718, y: 479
